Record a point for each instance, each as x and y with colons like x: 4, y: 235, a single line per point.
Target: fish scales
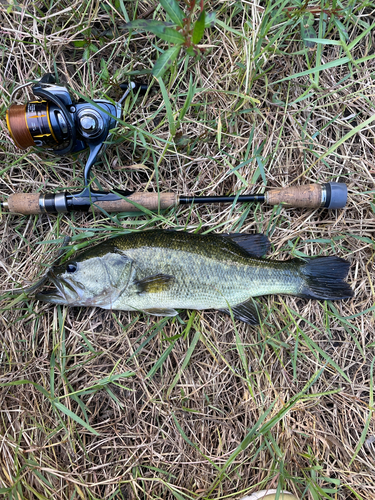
x: 207, y: 275
x: 200, y: 282
x: 160, y: 271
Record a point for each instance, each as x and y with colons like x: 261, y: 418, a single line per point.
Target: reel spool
x: 35, y: 124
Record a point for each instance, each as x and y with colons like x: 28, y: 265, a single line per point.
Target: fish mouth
x: 63, y: 293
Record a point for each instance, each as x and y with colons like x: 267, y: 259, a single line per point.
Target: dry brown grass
x: 160, y: 436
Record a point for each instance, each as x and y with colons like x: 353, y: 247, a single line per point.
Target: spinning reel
x: 58, y: 124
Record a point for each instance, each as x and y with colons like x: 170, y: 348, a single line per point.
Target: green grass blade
x: 369, y: 416
x: 185, y: 362
x: 161, y: 360
x: 188, y: 100
x: 352, y: 44
x: 74, y: 417
x: 168, y: 107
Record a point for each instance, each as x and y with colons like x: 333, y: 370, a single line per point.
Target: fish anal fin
x: 154, y: 284
x: 161, y: 312
x: 246, y: 312
x: 255, y: 244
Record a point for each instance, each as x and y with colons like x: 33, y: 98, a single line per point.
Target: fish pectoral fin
x: 161, y: 312
x: 255, y: 244
x: 246, y: 312
x: 154, y: 284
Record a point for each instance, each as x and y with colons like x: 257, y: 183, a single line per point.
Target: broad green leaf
x: 210, y: 19
x: 86, y: 54
x: 104, y: 67
x: 158, y: 28
x: 173, y: 10
x: 199, y: 28
x: 79, y: 43
x: 165, y: 61
x: 307, y: 19
x: 173, y: 36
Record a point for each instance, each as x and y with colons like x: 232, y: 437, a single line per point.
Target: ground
x: 100, y: 405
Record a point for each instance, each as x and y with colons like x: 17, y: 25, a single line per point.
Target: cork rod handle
x: 151, y: 201
x: 24, y: 203
x: 306, y: 196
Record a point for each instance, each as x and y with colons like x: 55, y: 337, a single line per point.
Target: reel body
x: 58, y: 123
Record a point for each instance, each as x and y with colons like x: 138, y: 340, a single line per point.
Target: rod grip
x: 151, y: 201
x: 24, y: 203
x: 305, y: 196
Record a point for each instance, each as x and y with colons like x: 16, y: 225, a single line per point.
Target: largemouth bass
x: 160, y: 271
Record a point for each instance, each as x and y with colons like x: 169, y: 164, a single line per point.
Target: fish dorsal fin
x: 246, y: 312
x: 161, y: 312
x: 154, y: 284
x: 255, y: 244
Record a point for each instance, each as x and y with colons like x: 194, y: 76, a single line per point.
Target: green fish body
x: 160, y: 271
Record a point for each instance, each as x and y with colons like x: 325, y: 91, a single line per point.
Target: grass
x: 113, y: 405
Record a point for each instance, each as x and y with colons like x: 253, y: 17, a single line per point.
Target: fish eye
x: 71, y: 267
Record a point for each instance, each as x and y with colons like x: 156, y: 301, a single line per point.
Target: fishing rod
x: 332, y: 195
x: 59, y: 124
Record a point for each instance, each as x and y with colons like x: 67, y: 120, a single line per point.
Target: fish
x: 159, y: 272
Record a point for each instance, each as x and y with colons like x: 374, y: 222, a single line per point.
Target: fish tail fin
x: 323, y: 278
